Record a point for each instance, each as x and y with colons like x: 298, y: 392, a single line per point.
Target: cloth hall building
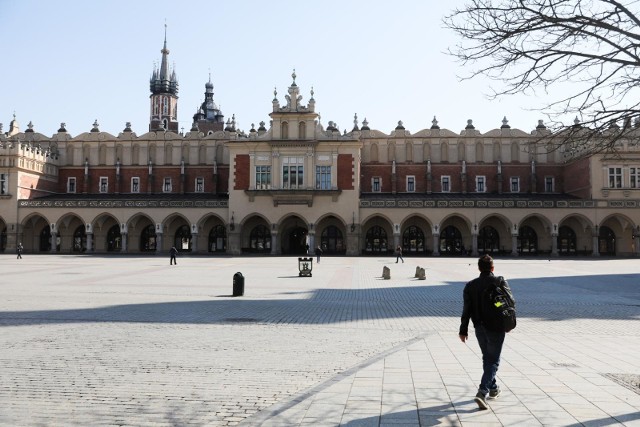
x: 292, y: 184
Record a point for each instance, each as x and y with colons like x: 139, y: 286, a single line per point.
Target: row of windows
x: 293, y: 175
x: 445, y: 184
x: 616, y: 177
x: 103, y: 185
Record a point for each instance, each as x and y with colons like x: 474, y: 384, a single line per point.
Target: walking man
x: 318, y: 253
x: 173, y: 252
x: 490, y: 334
x: 19, y: 250
x: 399, y: 254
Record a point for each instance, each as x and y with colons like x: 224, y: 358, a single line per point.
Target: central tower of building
x: 164, y: 95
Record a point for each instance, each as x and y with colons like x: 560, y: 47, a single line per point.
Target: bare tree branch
x: 531, y: 45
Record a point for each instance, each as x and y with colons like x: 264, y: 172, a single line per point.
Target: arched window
x: 79, y: 239
x: 220, y: 153
x: 165, y: 106
x: 284, y: 128
x: 376, y: 240
x: 102, y: 157
x: 218, y: 239
x: 461, y: 152
x: 260, y: 239
x: 182, y: 239
x: 70, y: 154
x: 497, y: 155
x: 114, y: 239
x: 302, y: 130
x: 391, y: 152
x: 202, y: 155
x: 152, y: 154
x: 374, y: 152
x: 148, y: 239
x: 185, y: 154
x: 527, y: 240
x: 451, y: 241
x: 168, y: 154
x: 332, y: 241
x: 488, y: 240
x: 119, y: 152
x: 426, y: 151
x: 413, y: 240
x: 135, y: 155
x: 515, y: 152
x: 566, y: 240
x: 444, y: 152
x: 479, y: 152
x: 606, y: 241
x: 409, y: 152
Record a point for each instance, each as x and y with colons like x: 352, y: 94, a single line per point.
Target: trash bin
x: 238, y: 285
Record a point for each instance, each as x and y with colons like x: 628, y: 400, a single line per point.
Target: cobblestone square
x: 133, y: 341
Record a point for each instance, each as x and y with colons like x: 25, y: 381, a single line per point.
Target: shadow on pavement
x: 551, y: 298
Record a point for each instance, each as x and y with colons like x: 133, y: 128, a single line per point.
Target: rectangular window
x: 292, y: 172
x: 4, y: 178
x: 323, y: 177
x: 166, y: 187
x: 135, y: 184
x: 71, y: 184
x: 199, y: 184
x: 634, y: 177
x: 263, y: 177
x: 445, y: 183
x: 548, y: 184
x: 411, y: 184
x: 615, y: 177
x: 376, y: 185
x: 515, y: 184
x: 104, y: 184
x: 480, y: 184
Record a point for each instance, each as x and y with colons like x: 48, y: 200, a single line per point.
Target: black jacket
x: 472, y: 295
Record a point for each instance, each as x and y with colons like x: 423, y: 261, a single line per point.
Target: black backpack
x: 498, y: 306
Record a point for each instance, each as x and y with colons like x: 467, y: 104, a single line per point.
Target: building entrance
x: 295, y: 241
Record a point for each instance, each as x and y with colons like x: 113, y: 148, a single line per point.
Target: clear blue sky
x: 78, y: 61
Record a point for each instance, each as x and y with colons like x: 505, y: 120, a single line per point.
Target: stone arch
x: 416, y: 235
x: 202, y: 154
x: 330, y: 234
x: 444, y: 152
x: 32, y: 228
x: 104, y: 237
x: 168, y: 154
x: 284, y: 130
x: 67, y: 227
x: 377, y: 235
x: 141, y: 233
x: 457, y: 243
x: 135, y: 154
x: 374, y: 153
x: 391, y: 151
x: 409, y: 152
x: 515, y: 152
x: 581, y: 230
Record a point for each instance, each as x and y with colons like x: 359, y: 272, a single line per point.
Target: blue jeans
x: 491, y: 346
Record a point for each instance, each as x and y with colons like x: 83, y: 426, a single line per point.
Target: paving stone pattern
x: 132, y: 341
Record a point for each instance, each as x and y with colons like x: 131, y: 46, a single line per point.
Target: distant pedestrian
x: 490, y: 335
x: 173, y: 252
x: 318, y: 253
x: 399, y: 254
x: 306, y: 249
x: 19, y: 250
